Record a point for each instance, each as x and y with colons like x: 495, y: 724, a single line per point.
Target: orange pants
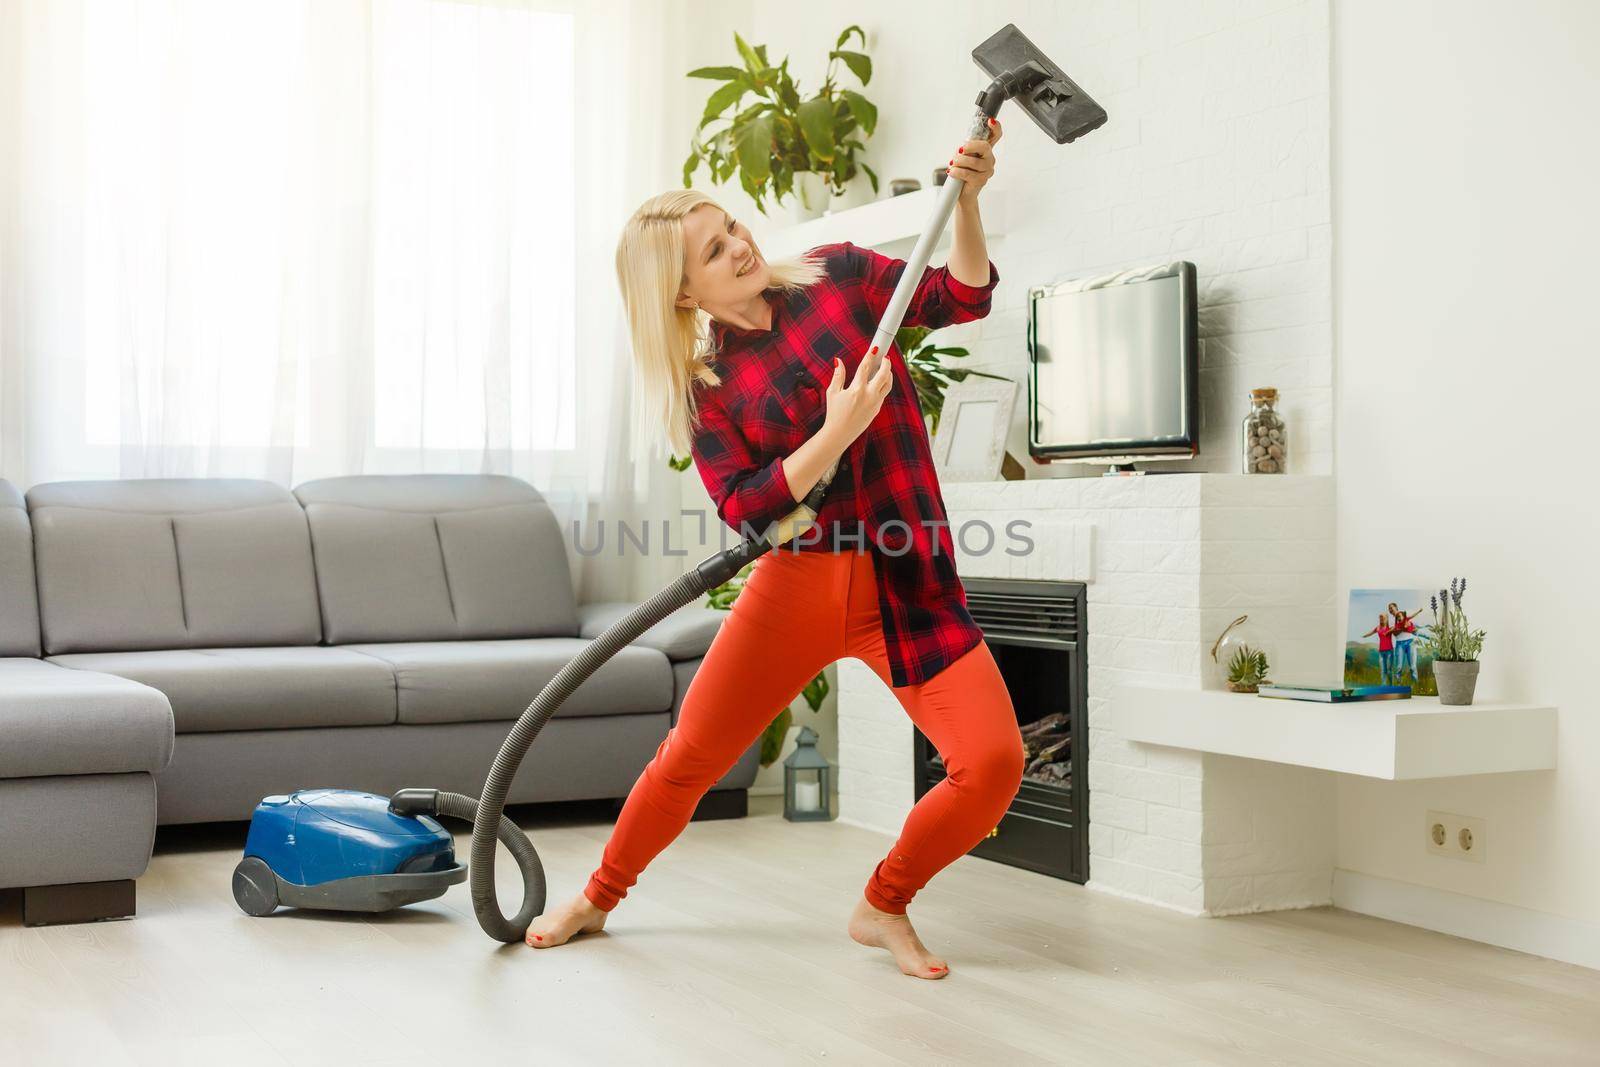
x: 799, y: 612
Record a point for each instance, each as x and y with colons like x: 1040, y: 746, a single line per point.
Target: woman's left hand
x: 973, y: 164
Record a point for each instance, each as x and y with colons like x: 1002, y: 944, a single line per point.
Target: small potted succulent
x: 1240, y: 657
x: 1454, y: 645
x: 1247, y: 669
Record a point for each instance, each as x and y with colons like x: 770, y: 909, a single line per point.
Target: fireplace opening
x: 1035, y: 631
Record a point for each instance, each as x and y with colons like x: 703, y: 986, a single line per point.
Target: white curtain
x: 289, y: 239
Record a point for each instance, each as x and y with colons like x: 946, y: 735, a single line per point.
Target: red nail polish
x: 536, y: 937
x: 874, y: 351
x: 961, y: 150
x: 991, y: 122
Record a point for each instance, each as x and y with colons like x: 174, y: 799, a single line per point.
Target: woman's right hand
x: 852, y: 408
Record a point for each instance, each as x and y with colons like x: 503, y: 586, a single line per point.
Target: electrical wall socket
x: 1460, y: 837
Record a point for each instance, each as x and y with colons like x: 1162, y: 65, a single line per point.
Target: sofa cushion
x: 257, y: 688
x: 55, y: 721
x: 685, y: 634
x: 19, y: 608
x: 437, y: 557
x: 469, y: 681
x: 172, y: 563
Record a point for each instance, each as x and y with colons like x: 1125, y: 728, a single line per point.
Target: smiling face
x: 722, y: 267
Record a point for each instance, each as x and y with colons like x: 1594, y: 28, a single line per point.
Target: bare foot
x: 881, y: 929
x: 554, y: 927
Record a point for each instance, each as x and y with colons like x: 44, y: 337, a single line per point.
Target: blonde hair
x: 673, y: 347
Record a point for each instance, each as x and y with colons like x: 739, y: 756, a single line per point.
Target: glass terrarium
x: 1240, y: 658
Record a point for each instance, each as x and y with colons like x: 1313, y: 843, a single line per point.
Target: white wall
x: 1465, y: 232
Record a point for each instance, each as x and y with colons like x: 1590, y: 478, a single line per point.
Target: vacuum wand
x: 917, y: 262
x: 1058, y: 106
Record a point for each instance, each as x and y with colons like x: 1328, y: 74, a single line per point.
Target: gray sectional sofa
x: 173, y: 650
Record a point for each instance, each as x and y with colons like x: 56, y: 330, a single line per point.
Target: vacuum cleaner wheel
x: 255, y: 887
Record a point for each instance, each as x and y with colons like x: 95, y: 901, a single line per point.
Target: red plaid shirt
x: 773, y: 397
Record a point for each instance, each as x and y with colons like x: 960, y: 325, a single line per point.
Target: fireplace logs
x: 1048, y: 744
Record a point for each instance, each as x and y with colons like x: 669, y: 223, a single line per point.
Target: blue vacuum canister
x: 343, y: 850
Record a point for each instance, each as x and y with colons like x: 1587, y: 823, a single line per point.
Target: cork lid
x: 1263, y: 394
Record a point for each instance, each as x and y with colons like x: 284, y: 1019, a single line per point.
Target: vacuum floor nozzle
x: 1054, y: 102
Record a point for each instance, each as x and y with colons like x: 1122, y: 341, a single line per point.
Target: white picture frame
x: 971, y: 443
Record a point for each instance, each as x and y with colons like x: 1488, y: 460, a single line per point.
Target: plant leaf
x: 719, y: 101
x: 872, y: 177
x: 816, y: 691
x: 859, y: 63
x: 753, y: 62
x: 864, y: 110
x: 720, y: 74
x: 772, y: 737
x: 816, y: 122
x: 908, y: 338
x: 690, y: 165
x: 786, y: 90
x: 845, y: 36
x: 753, y: 142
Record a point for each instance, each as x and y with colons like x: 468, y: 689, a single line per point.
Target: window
x: 474, y: 238
x: 291, y: 206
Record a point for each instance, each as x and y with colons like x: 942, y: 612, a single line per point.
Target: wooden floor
x: 732, y: 950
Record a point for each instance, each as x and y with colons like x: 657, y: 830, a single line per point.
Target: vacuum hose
x: 490, y: 808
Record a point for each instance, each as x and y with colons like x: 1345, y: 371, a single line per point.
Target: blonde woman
x: 750, y: 366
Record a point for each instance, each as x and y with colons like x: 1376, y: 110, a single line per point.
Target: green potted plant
x: 781, y: 136
x: 1454, y: 645
x: 928, y: 374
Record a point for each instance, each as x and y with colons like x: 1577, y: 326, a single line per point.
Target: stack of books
x: 1335, y: 694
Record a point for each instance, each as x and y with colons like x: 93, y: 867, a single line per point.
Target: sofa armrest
x: 685, y: 634
x: 55, y: 721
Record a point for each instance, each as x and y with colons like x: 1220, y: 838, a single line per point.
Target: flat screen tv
x: 1114, y: 367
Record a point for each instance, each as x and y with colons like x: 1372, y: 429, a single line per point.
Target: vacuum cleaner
x: 353, y: 851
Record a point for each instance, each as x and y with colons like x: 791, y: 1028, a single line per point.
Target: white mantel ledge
x: 1392, y: 739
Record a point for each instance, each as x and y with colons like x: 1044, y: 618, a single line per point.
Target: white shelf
x: 1394, y: 739
x: 881, y: 222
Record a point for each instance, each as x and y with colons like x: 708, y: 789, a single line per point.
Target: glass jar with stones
x: 1266, y: 439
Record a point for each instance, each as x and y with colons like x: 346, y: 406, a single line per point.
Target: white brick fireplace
x: 1168, y: 560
